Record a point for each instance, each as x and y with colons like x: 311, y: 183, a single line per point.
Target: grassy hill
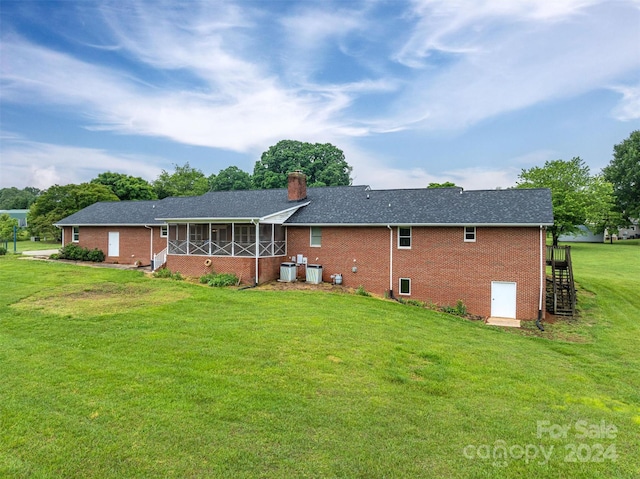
x: 109, y: 373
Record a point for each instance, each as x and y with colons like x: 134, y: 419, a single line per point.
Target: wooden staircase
x: 561, y: 291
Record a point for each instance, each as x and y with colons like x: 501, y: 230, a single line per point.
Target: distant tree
x: 446, y: 184
x: 231, y: 178
x: 126, y: 187
x: 577, y: 198
x: 184, y: 181
x: 624, y: 173
x: 7, y: 224
x: 324, y: 165
x: 58, y: 202
x: 15, y: 199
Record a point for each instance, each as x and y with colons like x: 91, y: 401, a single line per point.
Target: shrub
x: 223, y: 279
x: 204, y: 279
x: 360, y: 291
x: 54, y: 256
x: 3, y: 251
x: 78, y: 253
x: 95, y: 255
x: 414, y: 302
x: 461, y: 309
x: 162, y: 273
x: 458, y: 310
x: 166, y: 273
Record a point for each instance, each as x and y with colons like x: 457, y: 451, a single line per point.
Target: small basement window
x: 164, y: 231
x: 405, y: 286
x: 75, y: 234
x: 316, y: 236
x: 470, y: 234
x: 404, y: 237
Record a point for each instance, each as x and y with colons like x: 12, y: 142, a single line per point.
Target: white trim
x: 400, y: 286
x: 74, y: 234
x: 444, y: 225
x: 464, y: 234
x: 405, y: 236
x: 166, y: 235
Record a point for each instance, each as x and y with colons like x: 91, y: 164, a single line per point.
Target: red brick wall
x: 135, y: 242
x: 243, y: 267
x: 442, y: 267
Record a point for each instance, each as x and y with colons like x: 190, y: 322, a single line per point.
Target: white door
x: 114, y: 243
x: 503, y: 299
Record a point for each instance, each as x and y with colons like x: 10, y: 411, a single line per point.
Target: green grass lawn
x: 109, y: 373
x: 31, y: 246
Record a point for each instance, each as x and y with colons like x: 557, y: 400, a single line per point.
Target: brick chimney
x: 297, y: 187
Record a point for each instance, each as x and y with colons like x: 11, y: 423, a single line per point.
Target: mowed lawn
x: 112, y: 374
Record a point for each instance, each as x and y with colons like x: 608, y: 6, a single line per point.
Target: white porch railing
x: 225, y: 248
x: 159, y: 259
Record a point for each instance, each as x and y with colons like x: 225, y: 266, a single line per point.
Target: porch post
x: 257, y: 248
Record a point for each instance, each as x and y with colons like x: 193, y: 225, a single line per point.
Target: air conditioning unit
x: 288, y: 272
x: 314, y: 273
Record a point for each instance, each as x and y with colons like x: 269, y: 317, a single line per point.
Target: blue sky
x: 470, y: 91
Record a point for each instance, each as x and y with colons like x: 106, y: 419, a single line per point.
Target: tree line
x: 323, y: 163
x: 605, y: 201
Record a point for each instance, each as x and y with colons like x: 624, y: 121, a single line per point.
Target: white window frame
x: 164, y: 231
x: 75, y: 234
x: 469, y: 230
x: 405, y: 236
x: 400, y: 286
x: 317, y: 237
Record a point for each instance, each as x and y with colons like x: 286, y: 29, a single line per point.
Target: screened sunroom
x: 226, y: 239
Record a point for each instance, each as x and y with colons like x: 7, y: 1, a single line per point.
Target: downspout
x: 151, y: 247
x: 257, y: 248
x: 390, y: 262
x: 542, y: 279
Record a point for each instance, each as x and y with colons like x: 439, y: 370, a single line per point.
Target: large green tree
x: 446, y: 184
x: 578, y: 199
x: 58, y: 202
x: 231, y: 178
x: 15, y: 199
x: 624, y: 173
x: 7, y: 225
x: 184, y: 181
x: 324, y: 165
x: 126, y: 187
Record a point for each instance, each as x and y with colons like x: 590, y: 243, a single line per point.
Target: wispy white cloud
x: 512, y: 55
x: 629, y: 106
x: 29, y: 163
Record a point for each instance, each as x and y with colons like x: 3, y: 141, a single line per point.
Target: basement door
x: 503, y: 299
x: 114, y: 243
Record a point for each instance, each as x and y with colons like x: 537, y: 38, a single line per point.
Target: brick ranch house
x: 485, y: 248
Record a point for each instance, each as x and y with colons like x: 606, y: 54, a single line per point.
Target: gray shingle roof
x: 115, y: 213
x: 228, y: 204
x: 354, y: 205
x: 427, y: 206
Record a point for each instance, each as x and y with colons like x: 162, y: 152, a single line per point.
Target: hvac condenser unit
x: 288, y: 272
x: 314, y: 273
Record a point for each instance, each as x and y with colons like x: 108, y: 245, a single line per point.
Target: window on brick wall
x: 75, y: 234
x: 316, y: 236
x: 404, y: 237
x: 470, y: 234
x: 405, y: 286
x: 164, y: 231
